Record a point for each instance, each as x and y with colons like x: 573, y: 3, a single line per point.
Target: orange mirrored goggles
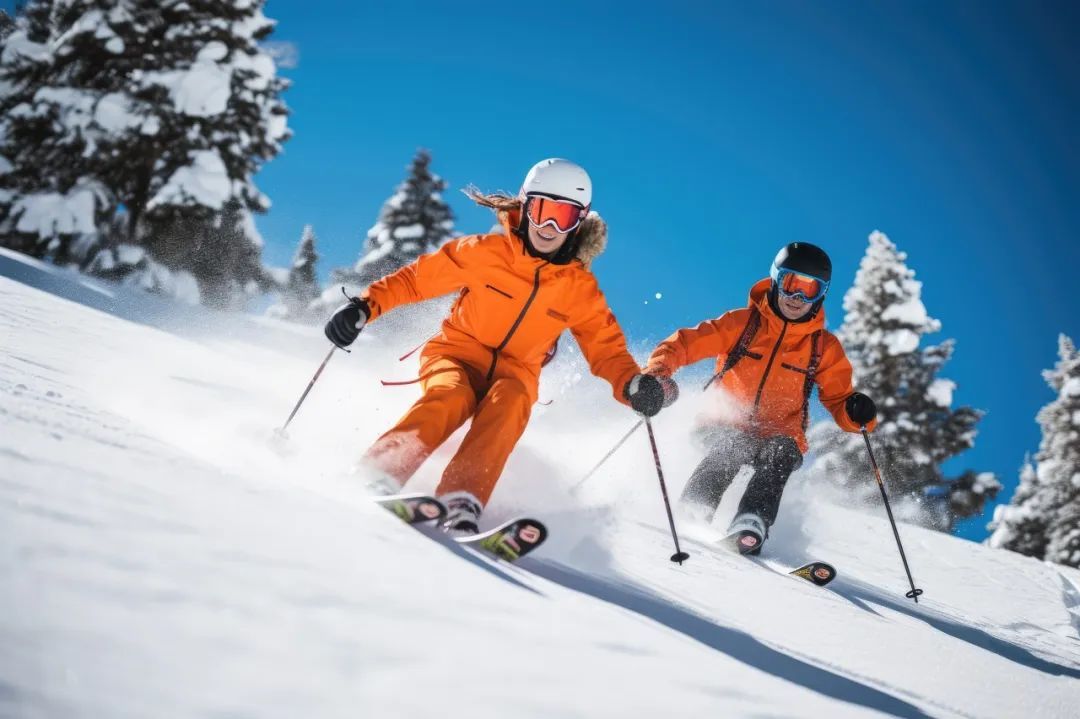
x: 563, y: 215
x: 804, y: 287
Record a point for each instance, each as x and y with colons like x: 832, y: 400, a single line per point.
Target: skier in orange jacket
x: 519, y: 289
x: 769, y: 356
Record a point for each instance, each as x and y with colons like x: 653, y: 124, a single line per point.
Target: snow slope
x: 161, y: 556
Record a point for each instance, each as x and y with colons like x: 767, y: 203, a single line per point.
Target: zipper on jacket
x: 768, y: 367
x: 517, y: 323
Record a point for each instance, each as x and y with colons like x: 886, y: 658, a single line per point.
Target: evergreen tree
x: 164, y: 107
x: 918, y: 430
x: 225, y: 117
x: 7, y: 25
x: 413, y: 222
x: 1043, y: 518
x: 1021, y: 525
x: 45, y: 204
x: 226, y: 260
x: 302, y: 286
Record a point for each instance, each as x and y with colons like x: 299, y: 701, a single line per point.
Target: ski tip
x: 413, y: 508
x: 527, y: 530
x: 509, y: 541
x: 820, y: 573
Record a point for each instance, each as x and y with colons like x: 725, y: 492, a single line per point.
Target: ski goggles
x: 799, y: 286
x: 563, y: 215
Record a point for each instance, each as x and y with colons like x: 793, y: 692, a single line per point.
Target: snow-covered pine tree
x: 48, y: 199
x: 1043, y: 518
x: 164, y: 107
x: 226, y: 260
x: 302, y: 285
x: 1064, y: 417
x: 918, y: 430
x: 7, y: 25
x: 226, y: 118
x: 1021, y: 524
x: 414, y: 221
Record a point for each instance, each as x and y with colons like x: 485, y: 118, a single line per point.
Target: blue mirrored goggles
x: 798, y: 285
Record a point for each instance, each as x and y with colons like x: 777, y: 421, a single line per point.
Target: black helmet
x: 804, y: 258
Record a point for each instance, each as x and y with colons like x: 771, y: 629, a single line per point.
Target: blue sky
x: 717, y: 132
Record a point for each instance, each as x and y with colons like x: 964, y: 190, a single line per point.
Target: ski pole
x: 914, y: 593
x: 281, y: 430
x: 679, y: 556
x: 606, y: 457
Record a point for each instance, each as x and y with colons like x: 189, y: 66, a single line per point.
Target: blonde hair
x: 499, y: 201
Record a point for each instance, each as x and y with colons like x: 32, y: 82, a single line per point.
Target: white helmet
x: 559, y: 178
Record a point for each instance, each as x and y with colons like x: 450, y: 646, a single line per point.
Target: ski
x: 509, y: 541
x: 819, y: 573
x: 413, y: 508
x: 748, y: 544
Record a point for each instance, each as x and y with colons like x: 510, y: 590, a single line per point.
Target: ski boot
x: 462, y: 514
x: 748, y: 532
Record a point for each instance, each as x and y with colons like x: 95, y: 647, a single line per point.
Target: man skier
x: 519, y: 289
x: 769, y: 355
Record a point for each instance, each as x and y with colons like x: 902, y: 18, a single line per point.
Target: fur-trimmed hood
x: 591, y: 234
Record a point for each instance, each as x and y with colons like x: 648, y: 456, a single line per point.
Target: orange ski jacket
x: 774, y: 372
x: 512, y: 306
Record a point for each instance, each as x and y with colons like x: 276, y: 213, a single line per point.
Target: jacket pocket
x: 505, y: 294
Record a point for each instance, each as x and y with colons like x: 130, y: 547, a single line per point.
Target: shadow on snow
x: 854, y: 590
x: 732, y: 642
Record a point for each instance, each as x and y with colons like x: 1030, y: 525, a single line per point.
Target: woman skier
x: 769, y: 356
x: 519, y: 289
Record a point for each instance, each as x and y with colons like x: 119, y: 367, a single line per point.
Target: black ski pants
x: 772, y: 458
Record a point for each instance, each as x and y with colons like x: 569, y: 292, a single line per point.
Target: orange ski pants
x: 453, y: 391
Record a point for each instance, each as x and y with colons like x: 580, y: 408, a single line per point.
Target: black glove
x: 648, y: 394
x: 861, y: 409
x: 344, y: 326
